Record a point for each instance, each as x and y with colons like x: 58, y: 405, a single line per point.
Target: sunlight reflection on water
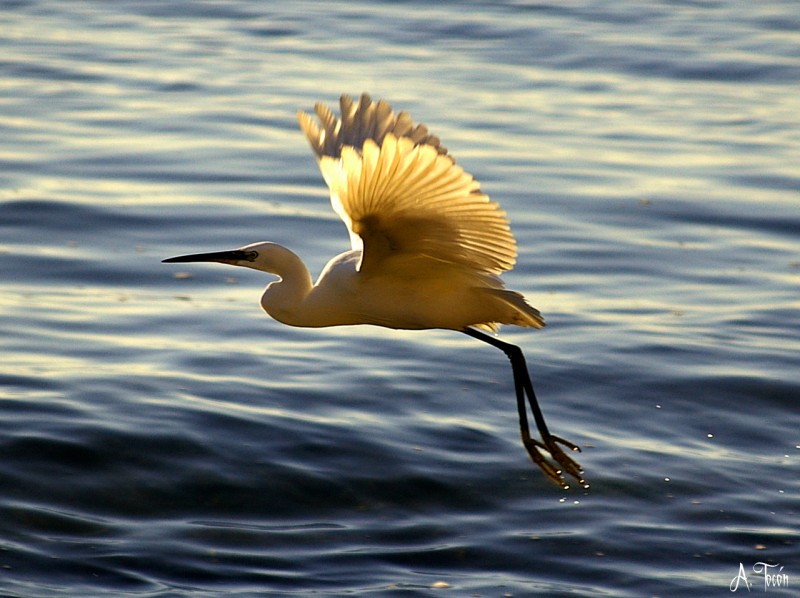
x: 162, y: 435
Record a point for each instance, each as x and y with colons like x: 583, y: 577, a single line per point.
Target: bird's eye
x: 250, y: 256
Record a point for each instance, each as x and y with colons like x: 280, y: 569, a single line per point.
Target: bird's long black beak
x: 225, y: 257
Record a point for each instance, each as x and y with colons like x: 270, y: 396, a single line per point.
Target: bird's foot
x: 563, y: 462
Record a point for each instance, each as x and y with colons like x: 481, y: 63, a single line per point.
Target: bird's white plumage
x: 427, y: 245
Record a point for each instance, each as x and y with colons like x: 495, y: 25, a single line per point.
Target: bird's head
x: 259, y: 256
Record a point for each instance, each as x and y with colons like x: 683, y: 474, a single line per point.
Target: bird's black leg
x: 550, y: 443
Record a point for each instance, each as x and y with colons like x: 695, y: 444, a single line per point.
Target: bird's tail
x: 520, y: 314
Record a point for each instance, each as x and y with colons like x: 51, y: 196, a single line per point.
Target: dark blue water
x: 159, y: 436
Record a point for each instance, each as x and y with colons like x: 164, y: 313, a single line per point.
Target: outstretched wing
x: 403, y: 195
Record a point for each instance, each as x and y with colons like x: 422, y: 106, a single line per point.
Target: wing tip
x: 358, y: 121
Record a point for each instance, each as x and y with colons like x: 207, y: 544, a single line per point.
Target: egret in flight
x: 427, y: 250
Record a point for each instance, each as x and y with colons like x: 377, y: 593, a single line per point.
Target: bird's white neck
x: 283, y: 299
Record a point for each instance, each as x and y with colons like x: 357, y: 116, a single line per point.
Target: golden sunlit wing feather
x: 401, y: 194
x: 401, y: 198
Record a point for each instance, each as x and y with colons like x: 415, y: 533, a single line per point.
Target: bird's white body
x: 413, y: 293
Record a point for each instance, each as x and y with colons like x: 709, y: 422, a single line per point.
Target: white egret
x: 427, y: 249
